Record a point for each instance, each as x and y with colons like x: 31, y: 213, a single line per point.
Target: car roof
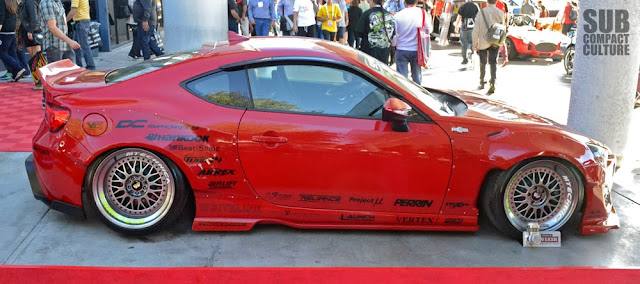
x: 274, y: 46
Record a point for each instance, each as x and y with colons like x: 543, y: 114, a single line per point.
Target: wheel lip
x: 100, y: 196
x: 551, y: 224
x: 569, y: 63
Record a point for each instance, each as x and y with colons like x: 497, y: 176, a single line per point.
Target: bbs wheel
x: 568, y: 60
x: 136, y: 192
x: 546, y: 192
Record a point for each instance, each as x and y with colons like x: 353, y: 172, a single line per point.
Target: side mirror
x: 397, y: 112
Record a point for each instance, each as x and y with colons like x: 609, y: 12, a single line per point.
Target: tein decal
x: 177, y: 138
x: 413, y: 203
x: 200, y: 160
x: 318, y: 198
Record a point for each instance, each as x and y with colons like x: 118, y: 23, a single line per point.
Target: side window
x: 225, y: 88
x: 315, y: 90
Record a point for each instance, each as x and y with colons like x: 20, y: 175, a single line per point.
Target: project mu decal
x: 373, y: 201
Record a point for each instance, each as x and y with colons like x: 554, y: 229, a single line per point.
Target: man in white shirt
x: 407, y: 22
x: 304, y: 17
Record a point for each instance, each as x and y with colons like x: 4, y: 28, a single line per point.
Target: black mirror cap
x: 397, y: 112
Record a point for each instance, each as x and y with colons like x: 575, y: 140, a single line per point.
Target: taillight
x: 56, y: 116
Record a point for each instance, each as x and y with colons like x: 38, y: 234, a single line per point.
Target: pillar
x: 102, y: 13
x: 605, y: 70
x: 189, y: 24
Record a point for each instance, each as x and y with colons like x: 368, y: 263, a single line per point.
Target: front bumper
x: 39, y: 194
x: 599, y: 215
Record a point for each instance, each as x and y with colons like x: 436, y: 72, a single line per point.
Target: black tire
x: 495, y: 202
x: 135, y: 191
x: 568, y: 59
x: 512, y: 52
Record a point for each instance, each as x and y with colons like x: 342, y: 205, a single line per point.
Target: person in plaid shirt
x: 56, y: 43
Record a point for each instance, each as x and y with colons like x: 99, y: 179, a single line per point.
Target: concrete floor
x: 32, y: 234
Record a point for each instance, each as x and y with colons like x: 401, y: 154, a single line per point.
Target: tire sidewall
x: 179, y: 199
x: 493, y: 197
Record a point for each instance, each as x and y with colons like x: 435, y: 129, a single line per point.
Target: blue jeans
x: 262, y: 27
x: 147, y: 45
x: 233, y: 25
x: 403, y: 59
x: 319, y: 33
x: 466, y: 41
x: 81, y: 35
x: 9, y: 53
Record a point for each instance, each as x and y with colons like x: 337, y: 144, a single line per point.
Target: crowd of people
x: 384, y: 29
x: 41, y: 28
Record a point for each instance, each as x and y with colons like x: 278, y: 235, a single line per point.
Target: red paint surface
x: 523, y: 49
x: 71, y: 274
x: 305, y: 171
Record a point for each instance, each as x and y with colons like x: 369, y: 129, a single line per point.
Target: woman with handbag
x: 31, y: 34
x: 8, y: 48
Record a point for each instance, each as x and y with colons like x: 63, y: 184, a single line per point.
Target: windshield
x: 417, y: 91
x: 145, y: 67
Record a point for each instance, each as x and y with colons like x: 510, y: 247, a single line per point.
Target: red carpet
x: 20, y: 116
x: 68, y: 274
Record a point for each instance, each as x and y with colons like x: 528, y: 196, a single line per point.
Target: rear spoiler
x: 64, y: 77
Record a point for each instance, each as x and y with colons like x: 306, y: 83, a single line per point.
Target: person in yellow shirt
x: 329, y: 14
x: 80, y: 14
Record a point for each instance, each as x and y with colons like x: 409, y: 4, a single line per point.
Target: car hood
x: 480, y: 107
x: 529, y: 33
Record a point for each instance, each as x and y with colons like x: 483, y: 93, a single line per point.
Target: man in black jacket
x: 146, y: 16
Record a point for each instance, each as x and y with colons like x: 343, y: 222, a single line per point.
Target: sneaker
x: 481, y: 85
x: 506, y: 61
x: 134, y: 57
x: 18, y: 75
x: 37, y: 87
x: 492, y: 89
x: 464, y: 62
x: 6, y: 77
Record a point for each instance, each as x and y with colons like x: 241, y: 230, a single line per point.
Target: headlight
x: 599, y: 153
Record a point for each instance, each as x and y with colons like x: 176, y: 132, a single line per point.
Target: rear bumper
x: 39, y: 194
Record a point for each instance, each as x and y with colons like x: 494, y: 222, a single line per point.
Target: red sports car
x: 524, y: 40
x: 309, y: 134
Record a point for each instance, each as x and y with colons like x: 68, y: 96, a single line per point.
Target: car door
x: 315, y: 139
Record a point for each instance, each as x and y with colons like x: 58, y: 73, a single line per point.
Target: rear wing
x: 64, y: 77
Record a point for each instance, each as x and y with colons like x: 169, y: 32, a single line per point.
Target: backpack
x: 121, y: 9
x: 496, y: 34
x: 573, y: 14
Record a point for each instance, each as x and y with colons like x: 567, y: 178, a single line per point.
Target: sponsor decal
x: 453, y: 221
x: 413, y: 203
x: 200, y: 148
x: 178, y: 138
x: 221, y: 224
x: 374, y: 201
x: 549, y: 238
x: 318, y: 198
x: 233, y: 208
x: 229, y: 184
x: 456, y: 204
x: 95, y: 124
x: 414, y: 220
x: 131, y: 124
x: 216, y: 172
x: 357, y: 218
x: 200, y: 160
x: 278, y: 196
x: 142, y: 123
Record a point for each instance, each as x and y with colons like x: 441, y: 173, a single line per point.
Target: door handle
x: 269, y: 139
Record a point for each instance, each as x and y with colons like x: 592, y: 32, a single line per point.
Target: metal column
x: 189, y: 24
